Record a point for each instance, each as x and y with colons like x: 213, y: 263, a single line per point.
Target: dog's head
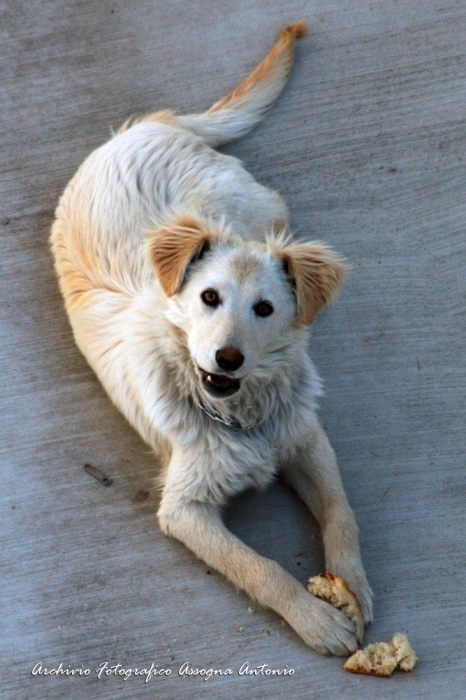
x: 240, y: 303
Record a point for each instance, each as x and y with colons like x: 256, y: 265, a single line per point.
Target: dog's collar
x: 232, y: 423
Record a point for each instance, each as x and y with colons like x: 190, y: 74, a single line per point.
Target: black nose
x: 229, y: 359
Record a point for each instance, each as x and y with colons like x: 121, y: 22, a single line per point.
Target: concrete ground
x: 367, y: 145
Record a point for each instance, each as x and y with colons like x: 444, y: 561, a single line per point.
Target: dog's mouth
x: 219, y: 385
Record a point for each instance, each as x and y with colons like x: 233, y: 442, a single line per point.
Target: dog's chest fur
x: 215, y: 462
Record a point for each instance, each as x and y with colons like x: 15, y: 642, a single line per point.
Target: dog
x: 192, y: 302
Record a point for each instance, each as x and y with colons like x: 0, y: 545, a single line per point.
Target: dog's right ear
x: 173, y: 246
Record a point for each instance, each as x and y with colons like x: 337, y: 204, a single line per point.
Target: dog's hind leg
x: 313, y: 472
x: 199, y: 526
x: 240, y: 111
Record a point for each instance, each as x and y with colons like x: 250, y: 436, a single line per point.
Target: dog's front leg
x: 199, y: 526
x: 313, y: 472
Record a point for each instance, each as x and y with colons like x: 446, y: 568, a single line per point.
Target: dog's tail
x: 240, y: 111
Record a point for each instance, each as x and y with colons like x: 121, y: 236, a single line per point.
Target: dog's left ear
x: 172, y: 247
x: 316, y: 272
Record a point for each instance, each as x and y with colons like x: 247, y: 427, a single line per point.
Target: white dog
x: 191, y: 301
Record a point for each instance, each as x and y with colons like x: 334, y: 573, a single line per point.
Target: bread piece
x: 374, y: 660
x: 337, y: 592
x: 383, y: 658
x: 404, y: 653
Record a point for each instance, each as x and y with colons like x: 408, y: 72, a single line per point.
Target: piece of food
x: 374, y: 660
x: 404, y: 653
x: 336, y: 591
x: 383, y: 658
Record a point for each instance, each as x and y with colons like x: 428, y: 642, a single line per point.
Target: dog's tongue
x: 220, y: 380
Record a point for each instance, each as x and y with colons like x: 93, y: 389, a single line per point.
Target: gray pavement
x: 367, y: 145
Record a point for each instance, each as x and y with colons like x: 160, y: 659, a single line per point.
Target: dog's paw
x: 322, y: 627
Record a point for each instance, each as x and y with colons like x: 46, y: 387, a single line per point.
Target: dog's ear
x: 172, y: 247
x: 315, y: 272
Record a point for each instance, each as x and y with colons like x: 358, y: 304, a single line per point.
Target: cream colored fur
x: 152, y: 220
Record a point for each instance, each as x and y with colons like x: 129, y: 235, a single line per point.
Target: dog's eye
x: 263, y: 308
x: 210, y: 297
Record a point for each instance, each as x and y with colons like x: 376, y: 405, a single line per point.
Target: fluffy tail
x: 240, y: 111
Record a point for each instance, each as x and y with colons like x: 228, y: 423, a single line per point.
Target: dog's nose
x: 229, y: 359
